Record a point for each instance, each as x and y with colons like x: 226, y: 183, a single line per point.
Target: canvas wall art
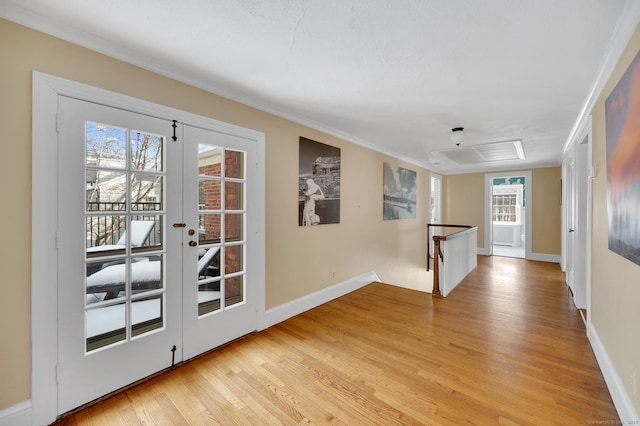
x: 622, y: 112
x: 318, y: 183
x: 399, y: 192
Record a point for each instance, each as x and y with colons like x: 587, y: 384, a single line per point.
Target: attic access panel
x: 477, y: 154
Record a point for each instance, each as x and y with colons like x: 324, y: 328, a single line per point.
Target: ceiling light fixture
x: 457, y: 135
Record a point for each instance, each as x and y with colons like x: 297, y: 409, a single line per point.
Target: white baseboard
x: 541, y: 257
x: 21, y: 414
x: 621, y: 400
x: 280, y: 313
x: 17, y: 415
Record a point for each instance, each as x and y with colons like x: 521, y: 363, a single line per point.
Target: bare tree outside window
x: 120, y: 163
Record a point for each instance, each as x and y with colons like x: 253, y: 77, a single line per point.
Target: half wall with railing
x: 453, y: 249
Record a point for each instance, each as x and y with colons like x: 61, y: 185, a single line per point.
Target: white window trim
x: 44, y: 272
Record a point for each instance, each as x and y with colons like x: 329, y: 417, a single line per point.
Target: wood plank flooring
x: 507, y: 346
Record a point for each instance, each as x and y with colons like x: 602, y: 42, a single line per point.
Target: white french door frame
x: 44, y: 263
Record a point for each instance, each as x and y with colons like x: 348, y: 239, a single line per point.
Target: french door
x: 218, y: 188
x: 155, y: 249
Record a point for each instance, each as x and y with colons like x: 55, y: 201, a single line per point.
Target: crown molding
x: 627, y: 22
x: 625, y: 27
x: 126, y: 54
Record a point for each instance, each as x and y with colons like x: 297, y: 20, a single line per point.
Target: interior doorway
x: 508, y: 214
x: 577, y: 192
x: 435, y: 210
x: 508, y: 206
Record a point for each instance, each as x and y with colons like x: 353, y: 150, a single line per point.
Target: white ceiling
x: 393, y: 75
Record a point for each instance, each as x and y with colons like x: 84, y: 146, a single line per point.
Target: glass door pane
x: 220, y: 223
x: 124, y: 222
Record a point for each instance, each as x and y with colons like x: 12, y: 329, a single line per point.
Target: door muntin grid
x: 125, y: 229
x: 221, y: 228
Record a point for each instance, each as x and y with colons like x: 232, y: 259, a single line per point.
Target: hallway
x: 506, y: 346
x: 506, y: 251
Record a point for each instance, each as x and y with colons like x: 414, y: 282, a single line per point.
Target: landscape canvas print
x: 399, y: 193
x: 622, y: 112
x: 318, y: 183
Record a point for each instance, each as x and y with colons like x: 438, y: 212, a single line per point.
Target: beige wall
x: 615, y: 281
x: 463, y: 204
x: 547, y: 211
x: 299, y: 260
x: 463, y: 201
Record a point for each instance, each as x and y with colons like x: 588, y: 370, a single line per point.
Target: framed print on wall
x: 399, y: 191
x: 318, y: 183
x: 622, y: 109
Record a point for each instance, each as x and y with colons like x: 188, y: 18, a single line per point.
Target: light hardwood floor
x: 507, y: 346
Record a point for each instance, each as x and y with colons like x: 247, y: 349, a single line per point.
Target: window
x: 504, y: 208
x: 507, y: 201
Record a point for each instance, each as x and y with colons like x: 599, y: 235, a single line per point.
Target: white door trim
x: 488, y: 188
x: 439, y: 200
x: 583, y: 190
x: 44, y: 295
x: 570, y: 217
x: 563, y: 219
x: 587, y: 132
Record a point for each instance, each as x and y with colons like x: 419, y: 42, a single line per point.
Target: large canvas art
x: 318, y: 183
x: 622, y: 111
x: 399, y: 192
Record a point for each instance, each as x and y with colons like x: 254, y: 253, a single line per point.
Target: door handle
x: 193, y: 243
x: 570, y: 230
